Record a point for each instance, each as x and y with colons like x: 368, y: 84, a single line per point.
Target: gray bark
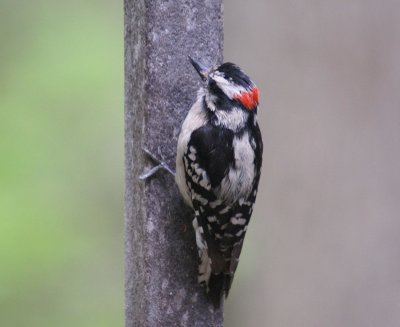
x: 160, y: 86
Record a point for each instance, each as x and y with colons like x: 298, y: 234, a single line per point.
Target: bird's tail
x: 218, y: 288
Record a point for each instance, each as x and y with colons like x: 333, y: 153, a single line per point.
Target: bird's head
x: 227, y: 86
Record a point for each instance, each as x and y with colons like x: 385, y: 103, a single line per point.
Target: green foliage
x: 61, y: 167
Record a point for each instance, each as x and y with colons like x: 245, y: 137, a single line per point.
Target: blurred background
x: 61, y: 166
x: 323, y: 248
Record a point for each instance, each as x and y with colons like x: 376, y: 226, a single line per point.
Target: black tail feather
x: 216, y: 289
x: 219, y: 286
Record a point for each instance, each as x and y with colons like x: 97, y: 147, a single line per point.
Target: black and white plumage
x: 218, y: 165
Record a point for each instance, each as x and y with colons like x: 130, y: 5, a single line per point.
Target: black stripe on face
x: 221, y: 100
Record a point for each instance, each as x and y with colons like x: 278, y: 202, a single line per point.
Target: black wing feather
x: 214, y: 155
x: 214, y: 149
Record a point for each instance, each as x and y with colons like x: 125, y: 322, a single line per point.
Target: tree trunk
x: 160, y: 86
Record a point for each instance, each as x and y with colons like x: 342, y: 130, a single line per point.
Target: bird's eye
x: 212, y: 84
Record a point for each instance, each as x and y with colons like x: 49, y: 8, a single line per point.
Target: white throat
x: 235, y: 119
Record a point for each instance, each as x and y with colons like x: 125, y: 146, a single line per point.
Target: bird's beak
x: 200, y: 68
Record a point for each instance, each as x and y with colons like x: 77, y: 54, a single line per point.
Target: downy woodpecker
x: 218, y: 166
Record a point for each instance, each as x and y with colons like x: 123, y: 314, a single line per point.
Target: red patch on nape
x: 249, y: 99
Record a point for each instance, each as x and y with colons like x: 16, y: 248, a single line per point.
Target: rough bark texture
x: 160, y: 86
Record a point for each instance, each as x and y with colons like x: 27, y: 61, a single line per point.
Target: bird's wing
x: 207, y: 161
x: 221, y: 225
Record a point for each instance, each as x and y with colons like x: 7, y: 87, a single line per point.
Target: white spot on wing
x: 239, y: 233
x: 238, y: 221
x: 198, y: 197
x: 201, y: 244
x: 224, y: 226
x: 205, y: 183
x: 215, y: 203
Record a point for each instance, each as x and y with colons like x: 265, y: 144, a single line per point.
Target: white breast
x: 237, y: 184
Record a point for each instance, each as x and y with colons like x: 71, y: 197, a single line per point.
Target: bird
x: 218, y: 168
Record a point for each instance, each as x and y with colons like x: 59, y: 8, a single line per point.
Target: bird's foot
x: 161, y: 165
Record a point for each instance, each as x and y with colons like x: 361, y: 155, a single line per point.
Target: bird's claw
x: 161, y: 165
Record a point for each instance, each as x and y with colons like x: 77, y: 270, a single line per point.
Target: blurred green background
x: 61, y: 165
